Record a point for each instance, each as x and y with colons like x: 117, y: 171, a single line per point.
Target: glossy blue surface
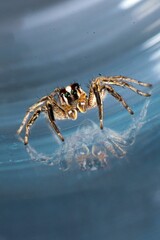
x: 44, y: 194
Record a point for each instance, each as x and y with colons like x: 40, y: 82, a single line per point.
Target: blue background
x: 48, y: 44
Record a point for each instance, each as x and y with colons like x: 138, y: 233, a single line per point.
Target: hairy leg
x: 95, y: 99
x: 124, y: 84
x: 118, y: 97
x: 31, y: 109
x: 127, y: 79
x: 51, y: 118
x: 111, y: 79
x: 30, y: 123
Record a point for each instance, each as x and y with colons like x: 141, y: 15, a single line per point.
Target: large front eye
x: 67, y: 94
x: 74, y: 92
x: 75, y: 89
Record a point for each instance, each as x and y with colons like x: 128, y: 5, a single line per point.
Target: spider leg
x: 51, y: 117
x: 123, y: 78
x: 31, y: 109
x: 91, y: 99
x: 30, y: 123
x: 95, y: 93
x: 120, y: 81
x: 111, y: 79
x: 124, y: 84
x: 118, y: 97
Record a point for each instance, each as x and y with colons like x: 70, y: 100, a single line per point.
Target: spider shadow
x: 90, y: 148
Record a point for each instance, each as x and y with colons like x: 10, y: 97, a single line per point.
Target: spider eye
x: 67, y: 94
x: 75, y: 88
x: 74, y: 92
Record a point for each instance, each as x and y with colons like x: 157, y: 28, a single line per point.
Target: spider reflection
x: 89, y: 148
x: 86, y: 152
x: 93, y: 157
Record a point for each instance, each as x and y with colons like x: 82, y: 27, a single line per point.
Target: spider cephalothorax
x: 66, y: 103
x: 74, y: 96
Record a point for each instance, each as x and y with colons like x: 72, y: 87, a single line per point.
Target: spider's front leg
x: 95, y: 99
x: 51, y: 117
x: 54, y: 111
x: 97, y: 93
x: 31, y: 109
x: 111, y: 90
x: 30, y: 123
x: 122, y: 81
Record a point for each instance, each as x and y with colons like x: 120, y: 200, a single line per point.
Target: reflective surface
x: 48, y: 44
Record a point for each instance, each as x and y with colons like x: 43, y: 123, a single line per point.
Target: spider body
x: 66, y: 103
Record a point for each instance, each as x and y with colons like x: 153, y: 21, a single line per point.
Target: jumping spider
x: 66, y: 103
